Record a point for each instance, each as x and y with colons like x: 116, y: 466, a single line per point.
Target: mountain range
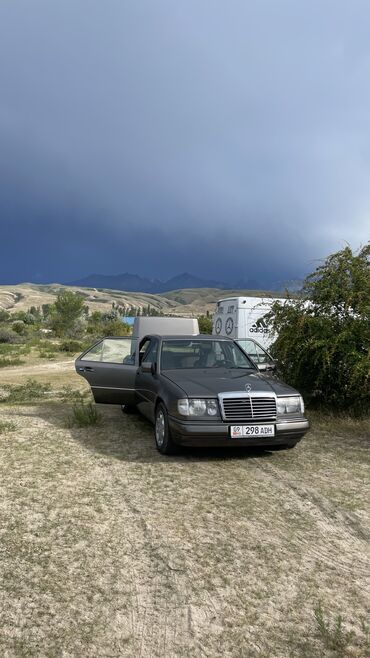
x: 135, y: 283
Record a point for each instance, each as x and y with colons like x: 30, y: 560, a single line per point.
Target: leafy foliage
x: 84, y: 414
x: 205, y: 324
x: 323, y: 344
x: 66, y: 314
x: 30, y: 391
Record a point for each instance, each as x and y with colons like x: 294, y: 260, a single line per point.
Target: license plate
x: 241, y: 431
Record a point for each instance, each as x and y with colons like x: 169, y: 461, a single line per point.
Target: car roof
x: 189, y: 337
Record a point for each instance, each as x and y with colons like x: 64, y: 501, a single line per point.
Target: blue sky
x: 228, y: 139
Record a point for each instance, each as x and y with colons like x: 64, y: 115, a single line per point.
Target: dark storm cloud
x: 228, y: 139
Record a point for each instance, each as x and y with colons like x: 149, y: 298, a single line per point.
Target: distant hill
x: 188, y: 302
x: 135, y: 283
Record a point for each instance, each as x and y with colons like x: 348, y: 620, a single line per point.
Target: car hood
x: 209, y: 382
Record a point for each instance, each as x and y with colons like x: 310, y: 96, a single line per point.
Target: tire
x: 163, y: 439
x: 128, y: 409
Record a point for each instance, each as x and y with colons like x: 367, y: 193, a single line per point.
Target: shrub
x: 205, y: 324
x: 14, y: 349
x: 19, y: 327
x: 323, y: 343
x: 65, y: 316
x: 5, y: 362
x: 30, y: 391
x: 84, y: 414
x: 68, y: 394
x: 45, y: 354
x: 8, y: 336
x: 6, y: 426
x: 71, y: 346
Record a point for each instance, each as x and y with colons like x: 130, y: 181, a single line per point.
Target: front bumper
x: 203, y: 433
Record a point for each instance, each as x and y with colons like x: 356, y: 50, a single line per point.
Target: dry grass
x: 110, y: 549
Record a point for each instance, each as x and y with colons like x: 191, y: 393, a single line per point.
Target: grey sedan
x: 196, y: 390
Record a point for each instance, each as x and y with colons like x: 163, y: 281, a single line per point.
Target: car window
x: 150, y: 354
x: 263, y: 356
x: 180, y: 354
x: 249, y: 346
x: 255, y: 351
x: 143, y: 348
x: 94, y: 354
x: 110, y: 350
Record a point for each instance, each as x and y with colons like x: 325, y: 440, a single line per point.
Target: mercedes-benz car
x: 196, y: 390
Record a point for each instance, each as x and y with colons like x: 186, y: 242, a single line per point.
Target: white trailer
x: 242, y: 318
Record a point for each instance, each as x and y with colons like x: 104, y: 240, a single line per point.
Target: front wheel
x: 163, y: 439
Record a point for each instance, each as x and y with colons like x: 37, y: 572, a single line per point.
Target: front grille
x: 248, y: 408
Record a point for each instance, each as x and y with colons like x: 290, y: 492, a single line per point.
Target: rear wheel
x: 163, y: 438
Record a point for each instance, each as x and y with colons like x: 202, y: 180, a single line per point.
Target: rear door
x: 110, y: 368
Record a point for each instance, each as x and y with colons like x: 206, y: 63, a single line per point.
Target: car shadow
x: 126, y: 437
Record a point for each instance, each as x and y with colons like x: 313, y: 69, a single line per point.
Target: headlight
x: 188, y: 407
x: 290, y: 405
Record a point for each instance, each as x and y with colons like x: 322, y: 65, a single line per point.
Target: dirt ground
x: 109, y: 549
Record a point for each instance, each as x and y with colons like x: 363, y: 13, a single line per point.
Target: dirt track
x: 110, y: 549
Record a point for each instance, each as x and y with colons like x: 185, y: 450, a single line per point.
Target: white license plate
x: 241, y: 431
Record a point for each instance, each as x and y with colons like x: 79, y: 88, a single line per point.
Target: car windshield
x: 198, y: 353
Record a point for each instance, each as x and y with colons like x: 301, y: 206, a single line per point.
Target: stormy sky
x: 228, y: 139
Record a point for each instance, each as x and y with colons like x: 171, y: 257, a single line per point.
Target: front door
x: 146, y: 383
x: 110, y: 369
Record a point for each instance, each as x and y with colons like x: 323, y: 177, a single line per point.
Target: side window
x: 115, y: 350
x: 143, y: 348
x: 263, y: 357
x: 249, y: 346
x: 151, y: 353
x: 94, y: 354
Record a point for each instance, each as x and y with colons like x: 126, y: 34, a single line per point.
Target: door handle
x: 86, y: 369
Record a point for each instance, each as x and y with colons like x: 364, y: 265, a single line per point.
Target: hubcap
x: 160, y: 428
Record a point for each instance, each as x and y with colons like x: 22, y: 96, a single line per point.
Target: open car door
x: 110, y: 369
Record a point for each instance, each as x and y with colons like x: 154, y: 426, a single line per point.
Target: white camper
x: 241, y: 318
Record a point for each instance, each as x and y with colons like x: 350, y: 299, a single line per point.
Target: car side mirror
x: 264, y: 367
x: 147, y: 366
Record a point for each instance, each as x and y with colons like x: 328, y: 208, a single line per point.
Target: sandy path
x: 38, y: 368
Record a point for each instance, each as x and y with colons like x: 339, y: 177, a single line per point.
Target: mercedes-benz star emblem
x: 248, y: 388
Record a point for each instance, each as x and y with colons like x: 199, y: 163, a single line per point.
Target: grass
x: 84, y: 414
x: 342, y: 424
x: 337, y: 640
x: 45, y: 354
x: 110, y: 549
x: 6, y: 426
x: 10, y: 361
x: 30, y: 391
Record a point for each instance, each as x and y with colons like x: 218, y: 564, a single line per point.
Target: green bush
x: 71, y: 346
x: 5, y: 362
x: 45, y: 354
x: 30, y: 391
x: 14, y: 349
x: 4, y: 315
x: 205, y: 324
x: 324, y: 339
x: 6, y: 426
x: 84, y: 414
x: 8, y: 336
x: 65, y: 316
